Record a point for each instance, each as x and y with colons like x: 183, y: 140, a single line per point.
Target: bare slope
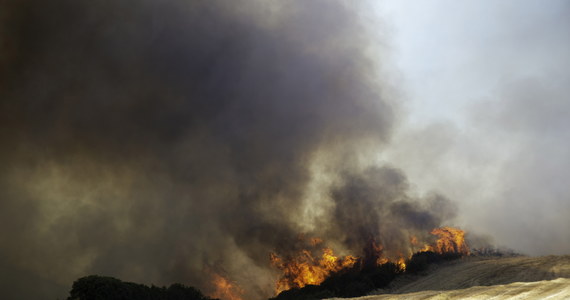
x: 481, y: 278
x: 548, y: 289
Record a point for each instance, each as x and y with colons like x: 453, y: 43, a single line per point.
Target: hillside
x: 480, y: 278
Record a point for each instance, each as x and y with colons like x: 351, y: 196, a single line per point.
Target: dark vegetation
x: 359, y: 281
x: 353, y: 282
x: 107, y: 288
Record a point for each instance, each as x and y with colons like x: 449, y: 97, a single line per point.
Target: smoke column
x: 151, y: 140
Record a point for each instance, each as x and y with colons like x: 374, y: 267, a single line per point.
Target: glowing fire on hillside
x: 451, y: 240
x: 225, y: 289
x: 314, y: 265
x: 306, y: 267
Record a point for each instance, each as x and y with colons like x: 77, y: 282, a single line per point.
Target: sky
x: 157, y: 141
x: 486, y: 87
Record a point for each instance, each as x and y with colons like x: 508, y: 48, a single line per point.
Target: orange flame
x: 382, y: 260
x: 225, y: 289
x: 451, y: 240
x: 304, y: 269
x: 401, y: 263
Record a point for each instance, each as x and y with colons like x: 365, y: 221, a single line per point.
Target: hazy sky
x: 487, y: 94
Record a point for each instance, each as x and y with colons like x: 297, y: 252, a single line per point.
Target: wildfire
x: 225, y: 289
x: 451, y: 240
x: 305, y: 269
x: 401, y: 263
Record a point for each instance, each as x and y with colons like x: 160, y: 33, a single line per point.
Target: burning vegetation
x: 225, y: 289
x: 315, y: 272
x: 451, y: 240
x: 305, y: 268
x: 315, y: 269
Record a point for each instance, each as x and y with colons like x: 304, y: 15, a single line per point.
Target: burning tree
x: 305, y: 268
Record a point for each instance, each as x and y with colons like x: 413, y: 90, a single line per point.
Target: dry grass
x: 483, y: 278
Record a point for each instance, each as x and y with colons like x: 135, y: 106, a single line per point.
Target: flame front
x: 305, y: 269
x: 225, y: 289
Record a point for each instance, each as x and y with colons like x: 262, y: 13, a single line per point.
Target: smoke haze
x: 155, y: 141
x: 152, y: 141
x: 487, y: 87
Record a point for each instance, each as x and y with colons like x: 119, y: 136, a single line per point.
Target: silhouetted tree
x: 108, y: 288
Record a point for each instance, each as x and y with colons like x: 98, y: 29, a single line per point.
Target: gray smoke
x: 149, y: 140
x: 375, y: 205
x: 488, y: 85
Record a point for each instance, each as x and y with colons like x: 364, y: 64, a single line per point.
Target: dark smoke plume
x: 374, y: 206
x: 149, y: 140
